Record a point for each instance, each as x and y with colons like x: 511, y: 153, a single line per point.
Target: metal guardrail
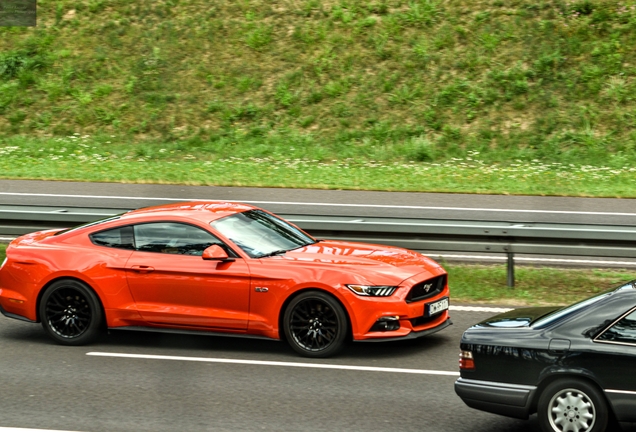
x: 419, y: 234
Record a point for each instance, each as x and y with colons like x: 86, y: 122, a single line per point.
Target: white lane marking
x: 10, y: 429
x: 276, y: 363
x: 327, y: 204
x: 479, y: 309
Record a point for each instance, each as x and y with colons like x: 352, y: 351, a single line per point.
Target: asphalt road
x: 46, y: 386
x: 330, y: 202
x: 229, y: 387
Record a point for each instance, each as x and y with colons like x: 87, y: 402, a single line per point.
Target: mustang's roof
x: 202, y: 210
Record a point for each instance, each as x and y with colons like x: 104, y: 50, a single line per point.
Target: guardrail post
x: 511, y: 270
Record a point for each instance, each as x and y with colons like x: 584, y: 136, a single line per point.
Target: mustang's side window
x: 173, y: 238
x: 121, y: 238
x: 624, y: 331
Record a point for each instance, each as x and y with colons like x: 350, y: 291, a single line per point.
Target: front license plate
x: 431, y: 309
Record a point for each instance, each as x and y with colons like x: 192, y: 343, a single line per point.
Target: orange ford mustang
x: 220, y: 267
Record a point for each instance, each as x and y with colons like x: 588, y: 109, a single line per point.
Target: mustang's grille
x: 426, y: 289
x: 416, y: 322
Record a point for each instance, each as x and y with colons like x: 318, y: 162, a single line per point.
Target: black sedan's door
x: 614, y: 365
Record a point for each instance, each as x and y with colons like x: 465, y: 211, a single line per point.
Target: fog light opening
x: 391, y: 323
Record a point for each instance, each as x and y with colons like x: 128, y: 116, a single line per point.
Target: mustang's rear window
x: 121, y: 238
x: 101, y: 221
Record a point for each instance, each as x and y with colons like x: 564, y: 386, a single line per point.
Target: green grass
x: 289, y: 163
x: 384, y: 82
x: 533, y: 285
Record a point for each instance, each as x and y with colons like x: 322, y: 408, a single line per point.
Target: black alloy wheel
x: 70, y: 312
x: 572, y: 405
x: 315, y: 324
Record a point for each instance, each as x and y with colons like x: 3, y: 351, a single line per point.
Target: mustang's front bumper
x: 393, y: 318
x: 413, y: 334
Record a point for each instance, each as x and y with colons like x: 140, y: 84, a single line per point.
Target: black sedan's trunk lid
x: 516, y: 318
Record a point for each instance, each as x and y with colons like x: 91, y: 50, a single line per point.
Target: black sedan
x: 574, y: 366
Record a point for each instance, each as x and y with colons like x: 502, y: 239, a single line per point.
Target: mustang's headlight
x: 373, y: 291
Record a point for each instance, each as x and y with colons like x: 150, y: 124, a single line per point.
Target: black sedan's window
x: 121, y: 238
x: 173, y: 238
x: 624, y: 331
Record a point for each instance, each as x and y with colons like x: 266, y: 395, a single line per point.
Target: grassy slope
x: 162, y: 85
x: 390, y: 80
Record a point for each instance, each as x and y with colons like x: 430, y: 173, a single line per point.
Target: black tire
x: 315, y: 324
x: 71, y: 313
x: 572, y: 405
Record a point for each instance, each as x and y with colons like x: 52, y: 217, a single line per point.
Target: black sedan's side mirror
x: 216, y: 253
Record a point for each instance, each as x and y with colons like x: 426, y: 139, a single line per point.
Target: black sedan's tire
x: 70, y: 312
x: 315, y: 324
x: 572, y: 405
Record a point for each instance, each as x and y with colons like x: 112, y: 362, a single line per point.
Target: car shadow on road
x: 200, y: 344
x: 207, y: 346
x: 19, y: 331
x: 204, y: 345
x: 401, y: 347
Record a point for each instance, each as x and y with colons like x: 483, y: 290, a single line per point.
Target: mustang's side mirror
x: 216, y: 253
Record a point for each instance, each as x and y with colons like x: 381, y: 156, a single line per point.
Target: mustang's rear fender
x: 111, y: 289
x: 68, y: 276
x: 32, y: 267
x: 20, y: 281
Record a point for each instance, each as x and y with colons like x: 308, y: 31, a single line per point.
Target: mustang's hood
x: 522, y: 317
x: 398, y: 263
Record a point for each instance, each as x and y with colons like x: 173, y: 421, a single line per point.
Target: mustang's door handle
x: 142, y: 268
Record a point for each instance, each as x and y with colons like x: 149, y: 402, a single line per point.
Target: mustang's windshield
x: 260, y: 234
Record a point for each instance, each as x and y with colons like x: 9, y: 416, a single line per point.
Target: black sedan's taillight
x: 466, y: 360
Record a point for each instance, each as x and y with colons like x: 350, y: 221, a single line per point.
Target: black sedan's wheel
x: 571, y: 405
x: 70, y: 313
x: 315, y: 324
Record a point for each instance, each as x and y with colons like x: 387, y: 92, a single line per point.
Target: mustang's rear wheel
x: 572, y: 405
x: 70, y: 312
x: 315, y: 324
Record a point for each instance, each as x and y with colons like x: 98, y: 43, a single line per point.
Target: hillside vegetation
x: 421, y: 81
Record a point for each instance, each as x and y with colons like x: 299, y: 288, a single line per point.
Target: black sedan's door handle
x: 559, y: 345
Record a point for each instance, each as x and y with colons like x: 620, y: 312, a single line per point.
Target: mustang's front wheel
x: 70, y: 312
x: 315, y: 324
x: 572, y: 405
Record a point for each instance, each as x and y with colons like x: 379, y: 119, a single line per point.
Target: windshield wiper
x: 282, y: 251
x: 276, y: 252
